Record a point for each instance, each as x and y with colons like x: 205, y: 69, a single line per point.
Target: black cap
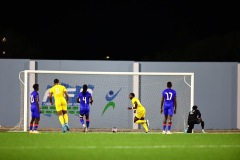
x: 195, y: 107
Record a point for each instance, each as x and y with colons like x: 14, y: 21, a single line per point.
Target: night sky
x: 140, y: 30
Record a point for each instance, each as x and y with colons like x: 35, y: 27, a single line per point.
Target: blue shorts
x: 168, y: 111
x: 84, y: 111
x: 35, y: 112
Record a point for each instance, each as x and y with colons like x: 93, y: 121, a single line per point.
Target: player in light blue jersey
x: 35, y: 109
x: 84, y: 98
x: 168, y: 106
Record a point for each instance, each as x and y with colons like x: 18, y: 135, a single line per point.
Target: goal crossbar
x: 112, y: 73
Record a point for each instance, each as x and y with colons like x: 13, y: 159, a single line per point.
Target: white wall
x: 222, y: 101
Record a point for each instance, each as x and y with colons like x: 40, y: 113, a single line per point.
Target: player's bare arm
x: 37, y: 103
x: 78, y: 100
x: 134, y: 107
x: 175, y: 105
x: 66, y: 96
x: 161, y: 107
x: 91, y: 100
x: 50, y: 98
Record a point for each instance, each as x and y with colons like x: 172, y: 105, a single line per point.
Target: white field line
x: 160, y: 132
x: 120, y: 147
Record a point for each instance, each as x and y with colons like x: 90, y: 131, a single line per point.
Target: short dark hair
x: 169, y: 84
x: 195, y: 107
x: 35, y: 86
x: 56, y: 81
x: 132, y: 94
x: 85, y: 87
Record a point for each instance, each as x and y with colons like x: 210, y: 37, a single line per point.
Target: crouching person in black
x: 194, y: 117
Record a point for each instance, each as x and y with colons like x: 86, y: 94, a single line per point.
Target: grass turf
x: 118, y: 146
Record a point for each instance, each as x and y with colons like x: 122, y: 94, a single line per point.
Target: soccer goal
x: 110, y: 92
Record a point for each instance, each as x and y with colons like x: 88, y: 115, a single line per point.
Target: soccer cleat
x: 203, y: 131
x: 164, y: 132
x: 147, y: 121
x: 35, y: 132
x: 168, y: 132
x: 64, y: 129
x: 67, y: 127
x: 84, y: 128
x: 30, y: 131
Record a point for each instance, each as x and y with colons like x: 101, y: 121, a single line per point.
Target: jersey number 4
x: 85, y: 99
x: 169, y: 95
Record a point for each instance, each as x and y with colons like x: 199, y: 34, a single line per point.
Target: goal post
x: 110, y: 92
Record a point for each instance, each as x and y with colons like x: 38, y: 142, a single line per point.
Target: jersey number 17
x: 169, y: 95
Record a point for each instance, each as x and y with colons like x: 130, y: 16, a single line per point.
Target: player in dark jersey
x: 84, y: 98
x: 194, y: 117
x: 35, y: 109
x: 168, y: 106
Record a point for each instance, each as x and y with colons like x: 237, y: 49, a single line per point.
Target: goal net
x: 110, y: 92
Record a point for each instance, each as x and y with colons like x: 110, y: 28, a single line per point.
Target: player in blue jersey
x: 35, y: 109
x: 168, y: 106
x: 84, y: 98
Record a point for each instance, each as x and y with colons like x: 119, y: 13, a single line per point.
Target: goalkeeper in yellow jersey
x: 140, y: 112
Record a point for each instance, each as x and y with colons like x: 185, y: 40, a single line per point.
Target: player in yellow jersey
x: 61, y: 99
x: 141, y: 112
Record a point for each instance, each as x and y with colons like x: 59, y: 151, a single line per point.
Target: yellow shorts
x: 61, y: 104
x: 140, y: 114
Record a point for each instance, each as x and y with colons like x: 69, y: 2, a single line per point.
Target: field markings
x: 120, y: 147
x: 198, y: 133
x: 122, y: 132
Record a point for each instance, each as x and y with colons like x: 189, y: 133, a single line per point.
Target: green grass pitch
x: 118, y: 146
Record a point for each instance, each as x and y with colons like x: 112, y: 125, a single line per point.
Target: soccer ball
x: 114, y: 130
